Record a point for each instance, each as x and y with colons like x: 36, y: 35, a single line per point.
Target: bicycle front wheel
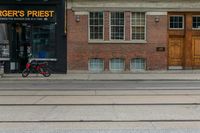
x: 25, y: 72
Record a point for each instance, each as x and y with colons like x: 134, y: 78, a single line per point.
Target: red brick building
x: 136, y: 35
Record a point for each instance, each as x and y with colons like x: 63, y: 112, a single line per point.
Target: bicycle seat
x: 42, y: 63
x: 33, y: 62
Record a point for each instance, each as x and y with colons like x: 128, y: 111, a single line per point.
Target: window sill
x: 118, y: 42
x: 176, y: 29
x: 197, y: 29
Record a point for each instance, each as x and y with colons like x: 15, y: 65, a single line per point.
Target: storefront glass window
x: 4, y: 43
x: 43, y: 41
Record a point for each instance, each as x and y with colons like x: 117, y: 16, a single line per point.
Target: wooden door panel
x: 175, y: 53
x: 196, y: 51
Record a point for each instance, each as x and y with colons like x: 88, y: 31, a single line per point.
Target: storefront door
x: 30, y: 41
x: 20, y: 43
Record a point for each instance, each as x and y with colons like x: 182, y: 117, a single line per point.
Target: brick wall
x: 80, y: 51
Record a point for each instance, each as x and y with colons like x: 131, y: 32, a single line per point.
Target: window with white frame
x: 96, y: 65
x: 117, y: 25
x: 117, y: 65
x: 196, y: 22
x: 176, y: 22
x: 96, y: 25
x: 138, y: 26
x: 138, y: 64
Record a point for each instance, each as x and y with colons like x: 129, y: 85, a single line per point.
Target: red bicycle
x: 34, y: 66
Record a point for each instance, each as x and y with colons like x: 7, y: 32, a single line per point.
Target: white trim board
x: 81, y: 13
x: 175, y: 67
x: 156, y: 13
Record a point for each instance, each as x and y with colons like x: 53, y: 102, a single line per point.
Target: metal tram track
x: 135, y: 104
x: 101, y: 89
x: 102, y: 121
x: 121, y: 89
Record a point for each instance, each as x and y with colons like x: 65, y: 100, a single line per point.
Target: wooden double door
x: 196, y: 52
x: 177, y: 51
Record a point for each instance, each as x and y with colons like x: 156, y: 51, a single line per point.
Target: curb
x: 83, y: 79
x: 105, y: 77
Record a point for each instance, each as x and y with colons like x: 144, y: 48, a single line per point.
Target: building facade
x: 133, y: 35
x: 32, y: 29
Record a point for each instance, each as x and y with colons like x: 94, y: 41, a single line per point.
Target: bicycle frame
x: 36, y: 67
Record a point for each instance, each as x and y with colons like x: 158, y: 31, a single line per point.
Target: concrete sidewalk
x: 137, y: 76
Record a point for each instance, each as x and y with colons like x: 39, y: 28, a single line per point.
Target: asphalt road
x: 64, y: 130
x: 100, y: 85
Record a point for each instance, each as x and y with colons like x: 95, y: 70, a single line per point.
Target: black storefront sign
x: 28, y: 13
